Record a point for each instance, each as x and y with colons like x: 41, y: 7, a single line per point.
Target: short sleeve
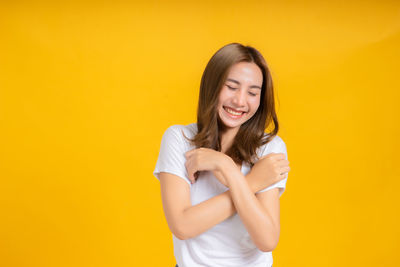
x: 276, y: 145
x: 171, y: 157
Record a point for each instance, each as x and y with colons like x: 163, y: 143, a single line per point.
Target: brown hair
x: 251, y: 134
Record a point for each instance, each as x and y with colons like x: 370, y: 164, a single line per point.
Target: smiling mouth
x: 234, y: 113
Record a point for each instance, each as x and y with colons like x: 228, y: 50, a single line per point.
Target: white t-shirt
x: 227, y: 244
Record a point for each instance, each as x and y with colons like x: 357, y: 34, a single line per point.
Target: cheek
x: 222, y: 97
x: 255, y: 103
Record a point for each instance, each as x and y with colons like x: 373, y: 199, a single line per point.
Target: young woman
x: 221, y: 178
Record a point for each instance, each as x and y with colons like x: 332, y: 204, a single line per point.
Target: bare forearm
x: 256, y: 219
x: 203, y: 216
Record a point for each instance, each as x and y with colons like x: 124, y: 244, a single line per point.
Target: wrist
x: 250, y: 182
x: 230, y: 171
x: 225, y: 163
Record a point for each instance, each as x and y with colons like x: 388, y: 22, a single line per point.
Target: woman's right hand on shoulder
x: 268, y: 170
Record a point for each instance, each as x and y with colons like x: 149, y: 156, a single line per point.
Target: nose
x: 239, y: 98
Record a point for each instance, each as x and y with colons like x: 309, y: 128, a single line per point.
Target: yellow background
x: 88, y: 88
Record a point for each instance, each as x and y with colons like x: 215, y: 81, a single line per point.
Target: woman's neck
x: 227, y: 137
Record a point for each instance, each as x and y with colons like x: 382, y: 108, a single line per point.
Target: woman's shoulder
x: 189, y: 130
x: 276, y: 139
x: 276, y: 145
x: 178, y: 132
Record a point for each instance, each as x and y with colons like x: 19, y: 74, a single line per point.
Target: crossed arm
x: 259, y: 213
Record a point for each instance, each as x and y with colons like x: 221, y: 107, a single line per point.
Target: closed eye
x: 252, y: 94
x: 232, y: 88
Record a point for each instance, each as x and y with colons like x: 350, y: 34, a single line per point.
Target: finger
x: 285, y: 169
x: 267, y: 156
x: 279, y: 156
x: 190, y: 152
x: 189, y: 171
x: 191, y: 177
x: 276, y: 156
x: 283, y: 163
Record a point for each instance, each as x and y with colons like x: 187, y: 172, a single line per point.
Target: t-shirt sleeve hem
x: 280, y: 184
x: 156, y: 173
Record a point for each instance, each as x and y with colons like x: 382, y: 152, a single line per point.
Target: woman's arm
x: 203, y: 216
x: 261, y: 218
x: 187, y: 221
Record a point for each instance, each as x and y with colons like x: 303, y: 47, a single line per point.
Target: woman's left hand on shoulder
x: 204, y: 159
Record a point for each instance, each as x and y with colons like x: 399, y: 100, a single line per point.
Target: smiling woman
x: 221, y: 178
x: 239, y: 97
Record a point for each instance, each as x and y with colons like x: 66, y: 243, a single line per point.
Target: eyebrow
x: 252, y: 86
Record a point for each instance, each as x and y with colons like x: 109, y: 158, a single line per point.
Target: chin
x: 232, y: 124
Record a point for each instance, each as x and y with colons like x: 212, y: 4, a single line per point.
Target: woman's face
x: 240, y: 94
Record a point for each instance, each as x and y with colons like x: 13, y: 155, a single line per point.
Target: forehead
x: 246, y: 72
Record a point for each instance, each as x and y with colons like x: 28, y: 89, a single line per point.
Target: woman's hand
x: 268, y: 170
x: 205, y: 159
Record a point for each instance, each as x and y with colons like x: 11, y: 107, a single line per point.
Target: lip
x: 234, y: 116
x: 236, y: 110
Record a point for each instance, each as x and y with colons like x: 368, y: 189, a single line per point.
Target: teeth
x: 233, y: 112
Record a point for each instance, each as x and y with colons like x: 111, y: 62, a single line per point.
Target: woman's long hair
x: 251, y: 134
